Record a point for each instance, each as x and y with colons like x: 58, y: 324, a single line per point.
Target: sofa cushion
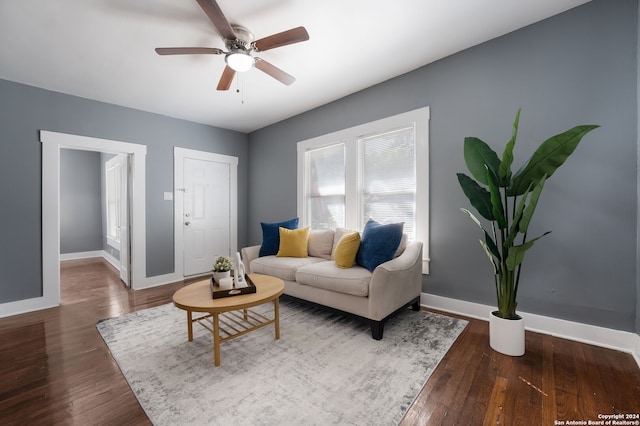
x: 346, y: 250
x: 271, y: 235
x: 379, y: 243
x: 281, y: 267
x: 327, y: 275
x: 293, y: 242
x: 320, y: 243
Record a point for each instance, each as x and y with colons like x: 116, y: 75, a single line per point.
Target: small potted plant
x: 222, y: 268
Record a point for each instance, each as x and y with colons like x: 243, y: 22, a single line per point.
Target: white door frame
x: 179, y: 154
x: 52, y: 142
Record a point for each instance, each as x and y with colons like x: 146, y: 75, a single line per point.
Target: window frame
x: 419, y: 118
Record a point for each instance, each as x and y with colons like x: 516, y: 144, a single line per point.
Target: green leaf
x: 496, y: 200
x: 504, y: 172
x: 478, y: 196
x: 487, y: 250
x: 517, y: 217
x: 516, y: 253
x: 479, y: 156
x: 492, y: 246
x: 523, y: 226
x: 490, y: 243
x: 550, y: 155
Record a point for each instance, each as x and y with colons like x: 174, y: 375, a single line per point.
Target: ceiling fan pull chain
x: 240, y: 87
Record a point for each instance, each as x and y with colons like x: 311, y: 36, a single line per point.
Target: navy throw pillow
x: 271, y: 235
x: 379, y: 243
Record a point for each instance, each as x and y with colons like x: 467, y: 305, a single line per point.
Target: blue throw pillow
x: 379, y: 243
x: 271, y: 235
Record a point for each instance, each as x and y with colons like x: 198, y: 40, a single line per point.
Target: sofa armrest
x: 248, y: 254
x: 396, y: 282
x: 411, y: 255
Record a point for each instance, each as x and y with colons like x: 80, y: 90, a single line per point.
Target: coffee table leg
x: 276, y: 316
x: 189, y: 325
x: 216, y: 340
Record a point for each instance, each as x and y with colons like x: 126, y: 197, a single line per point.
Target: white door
x: 125, y: 259
x: 118, y: 231
x: 206, y: 214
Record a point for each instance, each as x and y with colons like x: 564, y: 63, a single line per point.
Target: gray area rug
x: 325, y: 369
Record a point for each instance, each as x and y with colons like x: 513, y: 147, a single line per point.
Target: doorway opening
x: 94, y: 208
x: 52, y: 143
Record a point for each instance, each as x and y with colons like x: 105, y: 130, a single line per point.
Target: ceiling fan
x: 240, y: 45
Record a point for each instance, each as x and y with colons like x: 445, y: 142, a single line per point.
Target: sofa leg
x: 416, y: 304
x: 377, y: 328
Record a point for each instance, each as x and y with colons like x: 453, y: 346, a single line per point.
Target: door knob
x: 187, y: 223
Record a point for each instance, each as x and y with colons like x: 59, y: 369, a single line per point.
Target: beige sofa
x: 374, y: 296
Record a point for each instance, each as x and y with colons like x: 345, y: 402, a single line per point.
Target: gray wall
x: 579, y: 67
x: 25, y: 110
x: 638, y: 195
x: 80, y: 201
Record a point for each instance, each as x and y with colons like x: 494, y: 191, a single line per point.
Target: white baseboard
x: 82, y: 255
x: 168, y: 279
x: 623, y: 341
x: 148, y: 282
x: 112, y: 260
x: 159, y: 280
x: 18, y: 307
x: 38, y: 303
x: 45, y: 302
x: 90, y: 254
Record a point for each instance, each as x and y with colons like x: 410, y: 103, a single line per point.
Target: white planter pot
x: 506, y: 336
x: 219, y: 275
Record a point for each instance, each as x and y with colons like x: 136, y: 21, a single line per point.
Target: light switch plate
x: 168, y: 196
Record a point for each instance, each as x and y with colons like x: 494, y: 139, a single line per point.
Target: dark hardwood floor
x: 56, y: 370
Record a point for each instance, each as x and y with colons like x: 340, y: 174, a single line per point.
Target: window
x: 377, y: 170
x: 325, y: 190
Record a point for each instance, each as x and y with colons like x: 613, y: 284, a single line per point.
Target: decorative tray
x: 217, y: 293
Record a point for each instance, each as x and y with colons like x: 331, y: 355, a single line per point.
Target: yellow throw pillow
x: 346, y: 250
x: 293, y: 242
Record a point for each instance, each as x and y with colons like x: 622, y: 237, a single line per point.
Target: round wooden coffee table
x: 230, y: 317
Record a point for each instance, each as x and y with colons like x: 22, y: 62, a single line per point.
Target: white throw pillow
x: 320, y: 243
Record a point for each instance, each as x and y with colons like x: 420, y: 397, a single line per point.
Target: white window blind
x: 388, y: 178
x: 325, y: 192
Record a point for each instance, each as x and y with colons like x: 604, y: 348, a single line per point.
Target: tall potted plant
x: 508, y: 201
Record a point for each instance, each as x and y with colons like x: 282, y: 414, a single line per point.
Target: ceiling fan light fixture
x: 240, y: 62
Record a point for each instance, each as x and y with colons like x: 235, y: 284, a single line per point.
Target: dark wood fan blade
x: 226, y: 79
x: 274, y: 72
x: 294, y: 35
x: 188, y: 51
x: 216, y: 16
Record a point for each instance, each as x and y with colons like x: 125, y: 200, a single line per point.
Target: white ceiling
x: 104, y: 49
